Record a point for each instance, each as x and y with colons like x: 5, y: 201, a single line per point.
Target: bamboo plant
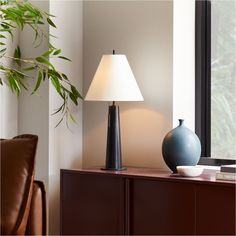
x: 18, y: 14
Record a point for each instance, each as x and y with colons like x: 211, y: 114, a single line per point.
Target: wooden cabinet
x: 159, y: 207
x: 215, y: 210
x: 91, y: 204
x: 145, y: 202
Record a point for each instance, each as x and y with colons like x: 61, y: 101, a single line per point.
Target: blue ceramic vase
x: 181, y: 147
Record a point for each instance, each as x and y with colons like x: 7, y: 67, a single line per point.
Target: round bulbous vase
x: 181, y: 147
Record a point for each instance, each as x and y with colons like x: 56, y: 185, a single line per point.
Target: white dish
x: 189, y: 171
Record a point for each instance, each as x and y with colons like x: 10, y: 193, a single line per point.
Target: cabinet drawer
x: 160, y: 207
x: 91, y: 204
x: 215, y: 210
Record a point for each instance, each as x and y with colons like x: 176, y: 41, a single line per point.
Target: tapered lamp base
x: 113, y: 151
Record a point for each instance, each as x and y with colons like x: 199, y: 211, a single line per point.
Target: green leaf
x: 17, y: 55
x: 56, y: 84
x: 65, y: 77
x: 8, y: 31
x: 50, y: 22
x: 7, y: 25
x: 39, y: 80
x: 73, y: 98
x: 59, y: 122
x: 65, y: 89
x: 51, y: 46
x: 19, y: 74
x: 29, y: 68
x: 76, y: 92
x: 73, y: 119
x: 35, y: 36
x: 49, y: 14
x: 23, y: 85
x: 46, y: 54
x: 44, y: 75
x: 3, y: 50
x: 1, y: 81
x: 17, y: 52
x: 58, y: 110
x: 54, y: 73
x: 58, y: 51
x: 14, y: 84
x: 65, y: 58
x: 2, y: 68
x: 44, y: 61
x: 53, y: 36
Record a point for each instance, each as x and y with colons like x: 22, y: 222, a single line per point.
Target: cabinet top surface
x: 208, y: 176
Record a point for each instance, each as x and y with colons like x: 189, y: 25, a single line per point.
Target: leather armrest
x: 37, y: 222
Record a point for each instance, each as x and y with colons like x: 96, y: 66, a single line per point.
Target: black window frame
x: 203, y: 82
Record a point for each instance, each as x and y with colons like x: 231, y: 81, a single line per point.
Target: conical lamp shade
x: 114, y: 81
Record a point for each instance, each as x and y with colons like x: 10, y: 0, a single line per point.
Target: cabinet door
x: 91, y: 204
x: 160, y: 207
x: 215, y: 210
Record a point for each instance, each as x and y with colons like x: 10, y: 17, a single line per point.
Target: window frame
x: 203, y: 82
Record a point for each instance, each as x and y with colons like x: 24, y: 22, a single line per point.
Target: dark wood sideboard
x: 141, y: 201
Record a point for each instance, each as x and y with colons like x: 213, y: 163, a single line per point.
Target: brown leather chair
x: 23, y: 202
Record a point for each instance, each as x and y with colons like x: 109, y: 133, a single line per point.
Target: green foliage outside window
x: 223, y: 79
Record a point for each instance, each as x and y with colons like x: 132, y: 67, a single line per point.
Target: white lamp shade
x: 114, y: 81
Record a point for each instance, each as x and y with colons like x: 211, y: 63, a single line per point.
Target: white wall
x: 34, y: 110
x: 143, y: 31
x: 8, y: 100
x: 184, y: 62
x: 65, y: 146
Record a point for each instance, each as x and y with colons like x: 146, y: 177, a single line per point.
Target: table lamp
x: 113, y: 81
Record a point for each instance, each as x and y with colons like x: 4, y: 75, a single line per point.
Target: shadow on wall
x: 142, y: 131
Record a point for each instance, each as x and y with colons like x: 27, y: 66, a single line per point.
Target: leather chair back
x: 17, y: 174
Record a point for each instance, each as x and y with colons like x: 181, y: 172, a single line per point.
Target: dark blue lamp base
x: 113, y: 152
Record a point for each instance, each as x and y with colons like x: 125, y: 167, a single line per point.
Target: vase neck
x: 181, y: 122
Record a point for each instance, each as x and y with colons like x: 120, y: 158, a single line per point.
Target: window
x: 215, y: 76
